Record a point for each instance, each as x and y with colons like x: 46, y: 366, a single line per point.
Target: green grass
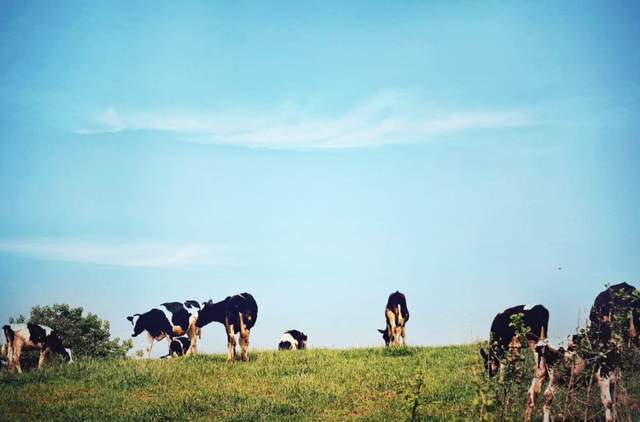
x: 432, y: 383
x: 312, y: 384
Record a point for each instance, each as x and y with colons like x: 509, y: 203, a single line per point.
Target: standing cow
x: 155, y: 323
x: 238, y: 314
x: 29, y: 336
x: 396, y: 314
x: 504, y: 340
x: 158, y: 326
x: 613, y: 326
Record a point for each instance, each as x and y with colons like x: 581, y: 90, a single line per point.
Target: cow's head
x: 491, y: 362
x: 385, y: 336
x: 302, y: 344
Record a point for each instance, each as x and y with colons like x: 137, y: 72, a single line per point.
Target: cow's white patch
x: 288, y: 337
x: 47, y: 330
x: 23, y: 330
x: 70, y: 354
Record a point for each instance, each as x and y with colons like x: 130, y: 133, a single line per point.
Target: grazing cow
x: 396, y: 314
x: 505, y: 341
x: 29, y: 336
x: 615, y: 311
x: 178, y: 347
x: 238, y: 314
x: 503, y: 337
x: 155, y: 323
x: 293, y: 340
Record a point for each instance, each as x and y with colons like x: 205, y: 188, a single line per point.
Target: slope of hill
x: 439, y: 383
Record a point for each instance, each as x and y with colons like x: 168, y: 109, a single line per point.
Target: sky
x: 473, y: 155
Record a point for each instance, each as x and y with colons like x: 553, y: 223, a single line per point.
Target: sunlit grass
x: 326, y: 384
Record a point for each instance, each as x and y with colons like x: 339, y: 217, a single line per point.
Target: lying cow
x: 615, y: 311
x: 396, y: 314
x: 293, y: 340
x: 238, y: 314
x: 503, y: 337
x: 29, y: 336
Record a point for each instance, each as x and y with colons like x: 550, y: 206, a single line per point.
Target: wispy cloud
x: 144, y: 254
x: 385, y: 119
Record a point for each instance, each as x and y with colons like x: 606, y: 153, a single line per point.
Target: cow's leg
x: 539, y: 374
x: 17, y: 351
x: 192, y: 331
x: 549, y: 395
x: 231, y: 343
x: 391, y: 325
x: 150, y: 340
x: 404, y: 335
x: 244, y: 339
x: 604, y: 382
x: 43, y: 355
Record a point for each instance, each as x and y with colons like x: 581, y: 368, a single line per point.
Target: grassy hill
x: 377, y: 383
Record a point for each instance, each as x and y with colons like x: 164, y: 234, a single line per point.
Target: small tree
x: 87, y: 336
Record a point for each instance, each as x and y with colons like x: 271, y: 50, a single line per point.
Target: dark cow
x: 503, y: 337
x: 396, y: 314
x: 614, y: 311
x: 505, y: 341
x: 238, y: 314
x: 29, y: 336
x: 293, y: 340
x: 155, y: 323
x: 178, y: 347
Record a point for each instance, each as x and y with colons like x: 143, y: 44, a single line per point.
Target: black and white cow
x: 183, y: 319
x: 29, y: 336
x: 616, y: 310
x: 155, y: 323
x: 396, y: 314
x: 158, y: 326
x: 293, y: 340
x: 238, y: 314
x: 178, y: 347
x: 503, y: 337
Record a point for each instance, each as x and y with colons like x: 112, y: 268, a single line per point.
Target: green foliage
x: 87, y: 335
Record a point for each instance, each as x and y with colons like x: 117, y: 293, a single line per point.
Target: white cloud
x: 385, y: 119
x: 143, y: 254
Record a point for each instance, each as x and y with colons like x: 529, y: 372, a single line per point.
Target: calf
x: 238, y: 314
x: 29, y: 336
x: 155, y: 323
x: 396, y: 314
x: 293, y: 340
x: 614, y: 311
x: 178, y: 347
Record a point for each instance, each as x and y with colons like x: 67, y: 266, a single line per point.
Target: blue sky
x: 320, y: 157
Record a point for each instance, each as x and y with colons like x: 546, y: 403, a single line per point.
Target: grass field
x: 428, y: 383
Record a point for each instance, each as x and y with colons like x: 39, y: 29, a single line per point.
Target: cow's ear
x: 382, y: 331
x: 484, y: 355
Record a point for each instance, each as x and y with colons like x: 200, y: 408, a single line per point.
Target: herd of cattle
x: 598, y: 348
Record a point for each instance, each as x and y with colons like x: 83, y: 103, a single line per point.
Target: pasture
x: 423, y: 383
